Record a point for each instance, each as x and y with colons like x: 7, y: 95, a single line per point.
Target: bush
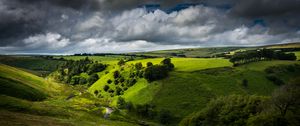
x: 116, y: 82
x: 155, y: 72
x: 165, y: 117
x: 96, y: 92
x: 93, y: 78
x: 121, y: 103
x: 121, y: 62
x: 138, y: 66
x: 109, y: 81
x: 146, y: 110
x: 149, y: 64
x: 118, y: 90
x: 122, y: 79
x: 77, y: 80
x: 96, y: 67
x: 106, y: 87
x: 275, y: 79
x: 131, y: 82
x: 116, y: 74
x: 167, y: 63
x: 245, y: 83
x: 129, y: 106
x: 111, y: 91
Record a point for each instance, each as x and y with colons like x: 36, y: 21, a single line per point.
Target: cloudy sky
x: 93, y: 26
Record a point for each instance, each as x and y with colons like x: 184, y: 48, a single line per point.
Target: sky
x: 117, y: 26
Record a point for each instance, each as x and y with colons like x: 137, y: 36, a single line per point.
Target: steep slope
x: 17, y: 83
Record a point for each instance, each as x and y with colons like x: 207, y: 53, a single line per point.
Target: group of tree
x: 258, y: 55
x: 281, y: 109
x: 146, y: 111
x: 274, y: 73
x: 158, y: 71
x: 69, y: 72
x: 121, y: 83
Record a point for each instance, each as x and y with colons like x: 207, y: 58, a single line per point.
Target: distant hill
x: 214, y: 51
x: 286, y: 45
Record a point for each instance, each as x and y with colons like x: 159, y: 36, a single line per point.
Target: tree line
x: 259, y: 55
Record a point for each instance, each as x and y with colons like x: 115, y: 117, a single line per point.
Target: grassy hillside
x: 194, y: 82
x: 212, y: 51
x: 191, y: 52
x: 54, y: 112
x: 20, y: 84
x: 36, y: 65
x: 287, y: 45
x: 66, y: 105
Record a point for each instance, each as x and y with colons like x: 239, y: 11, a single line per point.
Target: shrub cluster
x: 157, y: 72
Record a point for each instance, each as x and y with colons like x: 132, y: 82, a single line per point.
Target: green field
x: 191, y: 52
x: 27, y: 99
x: 297, y: 54
x: 108, y: 59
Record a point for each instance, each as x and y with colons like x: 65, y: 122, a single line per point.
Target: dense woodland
x: 281, y: 109
x: 69, y: 72
x: 258, y: 55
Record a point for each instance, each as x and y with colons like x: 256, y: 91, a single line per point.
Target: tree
x: 121, y: 62
x: 287, y: 97
x: 149, y: 64
x: 96, y: 92
x: 109, y: 81
x: 155, y: 72
x: 96, y: 67
x: 138, y: 66
x: 167, y: 63
x: 118, y: 90
x: 121, y: 103
x: 106, y: 87
x: 116, y: 74
x: 93, y: 78
x: 233, y: 110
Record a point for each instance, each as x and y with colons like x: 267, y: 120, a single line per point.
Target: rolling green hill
x: 212, y: 51
x: 17, y: 83
x: 32, y: 64
x: 193, y: 83
x: 27, y: 99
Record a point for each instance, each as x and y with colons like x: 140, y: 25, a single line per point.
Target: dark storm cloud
x: 259, y: 8
x: 18, y: 21
x: 77, y: 24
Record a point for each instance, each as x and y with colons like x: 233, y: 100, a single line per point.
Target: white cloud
x: 47, y: 41
x: 96, y: 45
x: 139, y: 30
x: 95, y: 21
